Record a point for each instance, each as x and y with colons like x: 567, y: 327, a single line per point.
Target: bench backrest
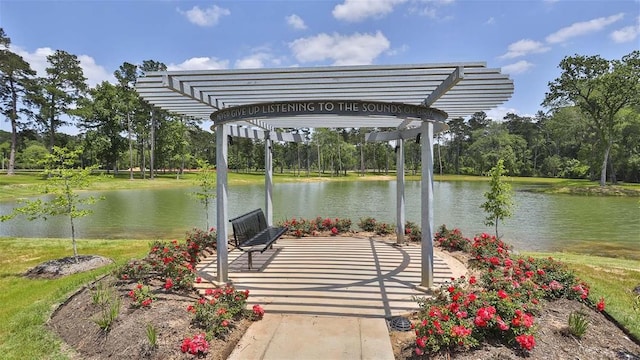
x: 247, y: 225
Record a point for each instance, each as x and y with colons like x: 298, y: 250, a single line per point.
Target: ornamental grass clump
x: 578, y: 324
x: 499, y: 305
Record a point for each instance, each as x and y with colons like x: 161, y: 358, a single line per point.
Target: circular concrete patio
x: 335, y: 276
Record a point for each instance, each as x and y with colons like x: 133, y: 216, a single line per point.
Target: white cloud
x: 397, y: 51
x: 200, y: 63
x: 498, y: 114
x: 207, y: 17
x: 626, y: 34
x: 358, y: 10
x: 524, y: 47
x: 356, y: 49
x: 490, y: 21
x: 429, y: 8
x: 94, y: 73
x: 253, y: 61
x: 296, y: 22
x: 582, y: 28
x: 517, y: 68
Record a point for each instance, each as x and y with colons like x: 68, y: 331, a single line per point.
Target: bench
x: 251, y: 233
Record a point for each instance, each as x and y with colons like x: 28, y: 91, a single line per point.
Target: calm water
x: 608, y: 225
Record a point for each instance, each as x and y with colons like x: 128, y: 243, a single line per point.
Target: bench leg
x: 250, y: 260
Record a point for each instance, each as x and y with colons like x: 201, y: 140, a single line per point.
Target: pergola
x: 266, y: 104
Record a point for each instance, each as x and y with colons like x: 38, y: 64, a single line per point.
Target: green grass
x: 28, y: 303
x: 26, y: 184
x: 611, y: 278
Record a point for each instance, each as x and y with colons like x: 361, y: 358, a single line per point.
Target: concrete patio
x: 338, y: 291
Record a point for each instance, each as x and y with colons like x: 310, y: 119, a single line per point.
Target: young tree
x: 63, y: 182
x: 600, y: 88
x: 499, y: 198
x: 16, y: 80
x: 206, y: 179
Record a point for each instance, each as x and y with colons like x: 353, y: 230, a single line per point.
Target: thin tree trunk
x: 130, y: 147
x: 603, y: 171
x: 12, y: 152
x: 152, y: 143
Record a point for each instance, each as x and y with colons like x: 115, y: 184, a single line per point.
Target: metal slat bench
x: 251, y: 233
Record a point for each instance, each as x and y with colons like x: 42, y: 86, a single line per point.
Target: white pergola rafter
x: 459, y: 89
x: 432, y: 92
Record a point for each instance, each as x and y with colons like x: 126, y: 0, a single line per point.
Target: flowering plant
x: 141, y: 296
x: 384, y: 229
x: 412, y: 231
x: 312, y: 227
x: 175, y: 261
x: 197, y: 345
x: 499, y: 305
x: 367, y: 224
x: 451, y: 239
x: 216, y: 311
x: 258, y: 311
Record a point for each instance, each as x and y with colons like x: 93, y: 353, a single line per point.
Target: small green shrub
x: 152, y: 336
x: 578, y: 324
x: 367, y: 224
x: 101, y: 293
x: 109, y: 313
x: 384, y: 229
x: 412, y: 231
x: 216, y: 312
x: 451, y: 240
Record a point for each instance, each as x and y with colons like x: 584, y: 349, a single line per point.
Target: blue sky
x: 527, y: 39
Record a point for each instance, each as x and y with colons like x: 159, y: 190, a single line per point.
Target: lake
x: 541, y: 222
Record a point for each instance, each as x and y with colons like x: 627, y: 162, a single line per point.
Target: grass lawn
x: 27, y: 184
x: 611, y: 278
x: 28, y: 303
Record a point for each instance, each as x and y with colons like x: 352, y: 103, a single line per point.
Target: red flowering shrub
x: 367, y: 224
x: 384, y: 229
x: 305, y: 227
x: 219, y: 308
x: 141, y: 296
x: 258, y: 311
x: 412, y: 231
x: 451, y: 240
x: 197, y: 345
x: 173, y: 260
x: 500, y: 305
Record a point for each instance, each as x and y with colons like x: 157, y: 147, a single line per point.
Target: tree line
x: 592, y: 128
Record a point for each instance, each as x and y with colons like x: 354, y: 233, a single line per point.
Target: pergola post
x: 222, y: 147
x: 400, y: 217
x: 268, y: 180
x: 426, y: 217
